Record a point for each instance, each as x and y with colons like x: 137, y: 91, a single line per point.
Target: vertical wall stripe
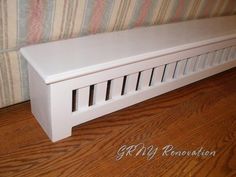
x: 120, y: 15
x: 193, y: 9
x: 122, y: 10
x: 200, y: 10
x: 214, y: 7
x: 140, y: 13
x: 57, y: 19
x: 156, y: 12
x: 179, y: 11
x: 232, y: 7
x: 73, y: 18
x: 162, y: 12
x: 35, y: 27
x: 79, y: 15
x: 11, y: 79
x: 170, y: 11
x: 68, y: 18
x: 23, y: 10
x: 96, y: 18
x: 128, y: 14
x: 16, y: 78
x: 114, y: 14
x: 109, y: 6
x: 47, y: 20
x: 87, y: 17
x: 2, y: 94
x: 189, y: 9
x: 4, y: 84
x: 62, y: 26
x: 214, y: 10
x: 24, y: 77
x: 234, y: 12
x: 143, y: 12
x: 1, y: 25
x: 7, y: 79
x: 150, y: 13
x: 12, y: 23
x: 5, y: 23
x: 229, y: 7
x: 209, y: 5
x: 8, y: 24
x: 136, y: 12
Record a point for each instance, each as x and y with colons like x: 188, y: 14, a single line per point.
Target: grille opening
x: 173, y: 76
x: 150, y: 82
x: 74, y: 100
x: 108, y: 90
x: 138, y: 79
x: 91, y: 95
x: 227, y: 54
x: 123, y: 85
x: 163, y: 74
x: 185, y: 67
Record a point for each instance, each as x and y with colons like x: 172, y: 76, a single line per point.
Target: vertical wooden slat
x: 157, y: 75
x: 210, y: 59
x: 179, y: 71
x: 169, y: 71
x: 100, y: 92
x: 234, y: 56
x: 116, y: 87
x: 225, y: 55
x: 200, y: 63
x: 131, y: 82
x: 145, y: 78
x: 218, y: 56
x: 190, y: 65
x: 83, y: 98
x: 232, y: 53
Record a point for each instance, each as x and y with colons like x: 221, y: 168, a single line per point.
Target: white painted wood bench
x: 76, y: 80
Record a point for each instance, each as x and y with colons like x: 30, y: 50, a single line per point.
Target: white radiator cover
x: 77, y: 80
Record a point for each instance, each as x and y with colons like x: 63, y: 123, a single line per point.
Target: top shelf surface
x: 60, y: 60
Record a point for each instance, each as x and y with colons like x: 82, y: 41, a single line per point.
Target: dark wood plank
x: 202, y: 114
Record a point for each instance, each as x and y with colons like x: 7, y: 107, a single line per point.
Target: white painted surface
x: 190, y: 65
x: 100, y: 93
x: 61, y: 60
x: 131, y: 83
x: 136, y: 97
x: 145, y: 78
x: 210, y: 59
x: 218, y: 56
x: 179, y: 71
x: 169, y: 71
x: 83, y: 98
x: 116, y: 87
x: 51, y: 90
x: 157, y: 75
x: 225, y: 55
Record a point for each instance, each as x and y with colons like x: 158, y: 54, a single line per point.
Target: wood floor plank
x: 202, y: 114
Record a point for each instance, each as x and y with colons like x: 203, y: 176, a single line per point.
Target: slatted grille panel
x: 117, y: 88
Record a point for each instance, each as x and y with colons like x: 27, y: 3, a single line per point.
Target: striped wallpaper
x: 25, y: 22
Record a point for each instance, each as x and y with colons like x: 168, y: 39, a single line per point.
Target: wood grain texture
x: 200, y: 114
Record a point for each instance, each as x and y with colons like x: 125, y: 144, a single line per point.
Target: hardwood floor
x: 202, y: 114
